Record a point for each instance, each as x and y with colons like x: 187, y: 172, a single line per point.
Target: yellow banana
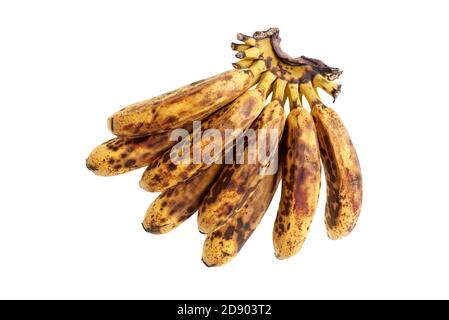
x: 163, y: 173
x: 184, y: 105
x: 222, y: 245
x: 121, y: 155
x: 301, y: 174
x: 177, y: 204
x: 343, y: 173
x: 237, y: 182
x: 341, y: 167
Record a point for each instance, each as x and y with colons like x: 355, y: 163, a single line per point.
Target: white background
x: 65, y: 66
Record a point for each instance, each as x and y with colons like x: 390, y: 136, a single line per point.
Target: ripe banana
x: 176, y: 108
x: 222, y: 245
x: 163, y: 173
x: 178, y: 203
x: 238, y: 182
x: 341, y: 166
x: 121, y: 155
x: 301, y: 174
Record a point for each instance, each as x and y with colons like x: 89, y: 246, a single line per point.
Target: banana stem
x: 330, y: 87
x: 265, y: 83
x: 239, y: 46
x: 247, y: 39
x: 293, y: 96
x: 257, y: 68
x: 243, y: 64
x: 251, y: 53
x: 310, y: 93
x: 279, y: 90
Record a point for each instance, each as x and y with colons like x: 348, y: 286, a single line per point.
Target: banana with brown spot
x: 121, y: 155
x: 184, y: 105
x: 223, y: 245
x: 341, y: 167
x: 163, y: 173
x: 301, y: 177
x: 238, y: 182
x: 178, y: 203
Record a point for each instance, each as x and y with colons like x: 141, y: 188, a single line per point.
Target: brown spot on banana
x: 177, y: 204
x: 184, y: 105
x: 301, y: 177
x: 223, y: 244
x: 238, y: 182
x: 343, y: 173
x: 238, y: 116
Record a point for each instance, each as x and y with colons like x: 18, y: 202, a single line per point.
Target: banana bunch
x: 232, y: 196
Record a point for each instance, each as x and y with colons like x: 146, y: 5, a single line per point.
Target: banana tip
x: 336, y: 92
x: 335, y: 236
x: 236, y: 66
x: 90, y: 166
x: 151, y: 229
x: 209, y: 265
x: 111, y: 124
x: 282, y: 256
x: 144, y: 228
x: 143, y: 185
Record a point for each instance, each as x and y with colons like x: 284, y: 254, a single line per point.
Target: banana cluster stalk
x: 232, y: 198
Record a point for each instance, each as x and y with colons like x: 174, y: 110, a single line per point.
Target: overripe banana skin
x: 237, y: 182
x: 301, y: 178
x: 163, y: 173
x: 178, y: 203
x: 121, y: 155
x: 222, y: 245
x: 184, y: 105
x: 342, y: 170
